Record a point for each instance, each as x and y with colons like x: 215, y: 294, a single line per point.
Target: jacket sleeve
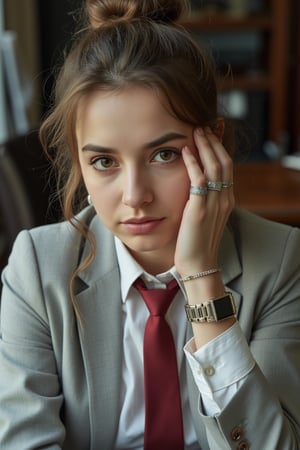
x: 30, y: 392
x: 265, y: 412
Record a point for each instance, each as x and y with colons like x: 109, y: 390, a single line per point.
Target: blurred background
x: 256, y: 44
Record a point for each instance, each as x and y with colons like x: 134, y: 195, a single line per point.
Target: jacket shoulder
x: 50, y: 249
x: 262, y: 242
x: 246, y: 222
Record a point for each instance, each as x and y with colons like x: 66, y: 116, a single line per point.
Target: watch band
x: 213, y: 310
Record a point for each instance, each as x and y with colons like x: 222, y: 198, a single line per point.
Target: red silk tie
x: 163, y: 417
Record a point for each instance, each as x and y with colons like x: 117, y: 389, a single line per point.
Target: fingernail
x: 200, y: 131
x: 186, y: 150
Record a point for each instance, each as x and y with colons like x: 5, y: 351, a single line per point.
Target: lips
x: 136, y: 220
x: 142, y: 225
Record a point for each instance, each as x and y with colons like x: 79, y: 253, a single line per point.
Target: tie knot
x: 157, y: 300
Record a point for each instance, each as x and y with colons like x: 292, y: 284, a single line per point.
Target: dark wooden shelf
x: 269, y: 189
x: 225, y: 22
x: 273, y: 72
x: 247, y: 82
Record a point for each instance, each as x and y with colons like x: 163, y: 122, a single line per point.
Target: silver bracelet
x: 201, y: 274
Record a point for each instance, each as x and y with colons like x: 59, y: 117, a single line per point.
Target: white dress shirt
x: 218, y: 367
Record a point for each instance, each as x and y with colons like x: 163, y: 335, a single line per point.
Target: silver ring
x: 214, y: 185
x: 226, y: 185
x: 198, y: 190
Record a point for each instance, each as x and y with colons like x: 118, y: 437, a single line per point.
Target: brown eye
x: 166, y: 156
x: 103, y: 163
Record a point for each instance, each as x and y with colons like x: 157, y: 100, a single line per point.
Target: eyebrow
x: 155, y: 143
x: 165, y: 138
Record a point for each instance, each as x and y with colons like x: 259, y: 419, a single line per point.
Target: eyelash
x: 175, y: 153
x: 94, y: 161
x: 168, y: 151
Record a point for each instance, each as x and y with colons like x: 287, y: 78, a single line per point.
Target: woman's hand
x: 204, y: 216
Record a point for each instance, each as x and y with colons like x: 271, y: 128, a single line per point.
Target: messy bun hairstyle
x: 125, y: 43
x: 103, y: 12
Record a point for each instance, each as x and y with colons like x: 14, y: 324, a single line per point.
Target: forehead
x: 113, y: 101
x: 139, y: 111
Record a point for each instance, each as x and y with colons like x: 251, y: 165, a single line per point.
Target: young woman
x: 135, y: 126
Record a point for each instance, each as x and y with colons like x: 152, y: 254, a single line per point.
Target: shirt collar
x: 130, y: 271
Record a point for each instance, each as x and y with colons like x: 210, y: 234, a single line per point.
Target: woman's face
x: 130, y: 156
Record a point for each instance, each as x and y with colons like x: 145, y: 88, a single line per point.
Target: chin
x: 140, y: 244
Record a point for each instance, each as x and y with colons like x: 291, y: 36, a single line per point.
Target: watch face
x: 224, y: 307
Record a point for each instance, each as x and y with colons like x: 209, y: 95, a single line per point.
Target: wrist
x: 204, y: 288
x: 202, y: 274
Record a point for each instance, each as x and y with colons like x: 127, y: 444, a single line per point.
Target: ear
x: 219, y: 128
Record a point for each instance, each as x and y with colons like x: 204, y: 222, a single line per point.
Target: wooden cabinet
x: 268, y: 189
x: 270, y: 24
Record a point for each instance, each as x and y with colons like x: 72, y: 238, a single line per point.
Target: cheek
x: 105, y: 206
x: 103, y: 197
x: 93, y: 183
x: 177, y: 193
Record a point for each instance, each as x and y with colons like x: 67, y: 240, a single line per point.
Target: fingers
x: 207, y: 210
x: 213, y: 164
x: 216, y: 162
x: 195, y: 172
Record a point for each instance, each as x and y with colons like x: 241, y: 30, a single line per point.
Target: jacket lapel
x: 100, y: 331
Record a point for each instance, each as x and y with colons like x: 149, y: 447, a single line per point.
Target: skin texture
x: 138, y: 162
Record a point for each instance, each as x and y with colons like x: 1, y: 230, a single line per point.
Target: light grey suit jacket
x: 60, y: 382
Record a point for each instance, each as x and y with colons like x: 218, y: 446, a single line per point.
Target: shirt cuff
x: 222, y: 362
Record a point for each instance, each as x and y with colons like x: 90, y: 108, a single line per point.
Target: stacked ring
x: 226, y: 185
x: 211, y: 186
x: 214, y: 185
x: 198, y: 190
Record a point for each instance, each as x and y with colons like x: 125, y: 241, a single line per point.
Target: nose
x: 137, y: 188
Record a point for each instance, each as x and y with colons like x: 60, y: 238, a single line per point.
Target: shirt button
x: 209, y: 371
x: 243, y: 445
x: 236, y: 434
x: 199, y: 371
